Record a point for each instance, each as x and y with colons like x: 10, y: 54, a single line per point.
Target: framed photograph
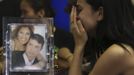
x: 28, y: 46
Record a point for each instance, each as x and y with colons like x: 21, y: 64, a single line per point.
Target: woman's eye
x: 21, y: 32
x: 79, y: 9
x: 27, y: 33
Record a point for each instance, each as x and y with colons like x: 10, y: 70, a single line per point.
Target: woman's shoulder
x: 114, y: 52
x: 113, y: 61
x: 120, y: 49
x: 117, y: 54
x: 124, y: 57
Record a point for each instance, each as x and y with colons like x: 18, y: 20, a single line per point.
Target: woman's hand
x: 77, y: 29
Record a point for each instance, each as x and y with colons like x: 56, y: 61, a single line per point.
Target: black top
x: 18, y: 60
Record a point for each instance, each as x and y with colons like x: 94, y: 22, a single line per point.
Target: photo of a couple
x: 28, y: 47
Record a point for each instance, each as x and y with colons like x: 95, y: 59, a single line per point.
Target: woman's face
x: 27, y: 10
x: 23, y: 35
x: 87, y: 15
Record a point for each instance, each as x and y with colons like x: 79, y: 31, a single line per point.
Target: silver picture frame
x: 25, y: 53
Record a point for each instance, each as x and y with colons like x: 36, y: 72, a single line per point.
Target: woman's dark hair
x: 95, y: 4
x: 117, y: 27
x: 118, y: 24
x: 38, y: 5
x: 17, y: 29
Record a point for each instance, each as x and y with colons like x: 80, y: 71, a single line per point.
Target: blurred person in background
x: 34, y: 9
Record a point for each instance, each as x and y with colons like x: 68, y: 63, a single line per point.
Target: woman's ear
x: 100, y: 13
x: 41, y: 13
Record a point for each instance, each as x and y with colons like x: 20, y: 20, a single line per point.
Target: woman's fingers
x: 74, y: 27
x: 77, y: 29
x: 80, y: 26
x: 71, y: 19
x: 71, y: 16
x: 82, y: 31
x: 75, y: 15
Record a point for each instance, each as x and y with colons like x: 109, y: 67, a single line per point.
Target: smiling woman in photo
x: 20, y: 37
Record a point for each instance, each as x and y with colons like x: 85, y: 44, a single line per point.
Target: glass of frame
x: 28, y: 46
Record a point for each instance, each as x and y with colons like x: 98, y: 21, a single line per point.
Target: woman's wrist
x: 78, y: 51
x: 79, y: 47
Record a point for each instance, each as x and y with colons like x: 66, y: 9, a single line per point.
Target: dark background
x: 10, y: 8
